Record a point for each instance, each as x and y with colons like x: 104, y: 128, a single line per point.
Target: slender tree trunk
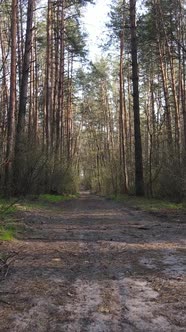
x: 139, y: 182
x: 167, y: 103
x: 12, y: 103
x: 48, y: 79
x: 20, y: 147
x: 5, y: 91
x: 121, y: 119
x: 62, y: 73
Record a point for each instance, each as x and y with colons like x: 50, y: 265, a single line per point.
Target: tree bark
x: 139, y: 182
x: 121, y: 120
x: 20, y: 147
x: 12, y: 103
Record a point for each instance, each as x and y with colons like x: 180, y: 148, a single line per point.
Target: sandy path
x: 94, y: 265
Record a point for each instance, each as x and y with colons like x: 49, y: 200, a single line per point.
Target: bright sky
x: 94, y: 20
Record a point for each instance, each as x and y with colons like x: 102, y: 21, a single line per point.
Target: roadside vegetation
x: 150, y: 204
x: 8, y: 208
x: 7, y: 233
x: 56, y: 198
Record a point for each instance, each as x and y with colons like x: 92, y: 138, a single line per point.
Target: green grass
x: 8, y: 223
x: 29, y: 204
x: 149, y: 204
x: 7, y: 233
x: 7, y: 207
x: 56, y: 198
x: 43, y: 201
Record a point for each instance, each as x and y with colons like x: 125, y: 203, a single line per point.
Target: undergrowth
x: 7, y: 209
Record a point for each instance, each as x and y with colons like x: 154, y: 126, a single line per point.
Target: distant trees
x: 99, y: 150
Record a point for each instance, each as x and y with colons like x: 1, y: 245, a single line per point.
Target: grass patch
x: 7, y: 207
x: 56, y: 198
x: 8, y: 224
x: 7, y: 233
x: 43, y: 201
x: 149, y: 204
x: 29, y: 204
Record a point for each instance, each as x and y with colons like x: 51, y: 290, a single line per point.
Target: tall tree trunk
x: 167, y: 103
x: 139, y: 182
x: 12, y: 103
x: 121, y: 119
x: 20, y: 139
x: 48, y: 79
x: 62, y: 75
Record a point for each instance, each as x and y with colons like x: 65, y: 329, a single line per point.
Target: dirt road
x: 97, y: 266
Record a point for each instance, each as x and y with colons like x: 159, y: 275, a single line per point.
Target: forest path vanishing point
x: 95, y: 265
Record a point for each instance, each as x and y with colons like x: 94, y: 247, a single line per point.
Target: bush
x: 64, y: 180
x: 171, y: 182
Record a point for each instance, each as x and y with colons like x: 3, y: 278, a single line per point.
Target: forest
x: 116, y: 125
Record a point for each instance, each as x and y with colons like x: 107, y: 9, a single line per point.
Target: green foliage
x: 75, y: 38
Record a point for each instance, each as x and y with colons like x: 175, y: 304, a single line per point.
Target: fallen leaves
x: 104, y: 310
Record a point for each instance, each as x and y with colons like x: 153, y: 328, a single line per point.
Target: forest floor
x: 94, y: 265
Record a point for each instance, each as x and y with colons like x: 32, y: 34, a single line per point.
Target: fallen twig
x: 5, y: 302
x: 5, y: 264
